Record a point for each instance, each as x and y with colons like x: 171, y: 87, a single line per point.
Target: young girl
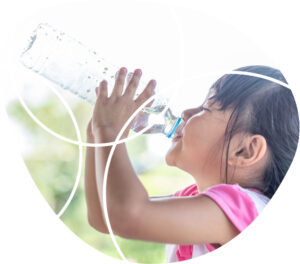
x: 238, y: 146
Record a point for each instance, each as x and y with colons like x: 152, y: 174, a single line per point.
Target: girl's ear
x: 250, y: 151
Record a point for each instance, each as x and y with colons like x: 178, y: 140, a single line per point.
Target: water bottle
x: 72, y: 66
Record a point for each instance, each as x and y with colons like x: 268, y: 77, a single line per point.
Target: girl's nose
x: 188, y: 113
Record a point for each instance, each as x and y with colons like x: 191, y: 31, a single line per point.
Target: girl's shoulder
x: 241, y: 205
x: 233, y: 197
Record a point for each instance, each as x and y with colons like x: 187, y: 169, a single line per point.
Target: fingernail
x: 153, y: 82
x: 138, y: 71
x: 123, y: 70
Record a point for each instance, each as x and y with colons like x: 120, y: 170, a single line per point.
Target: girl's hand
x: 89, y: 133
x: 111, y: 113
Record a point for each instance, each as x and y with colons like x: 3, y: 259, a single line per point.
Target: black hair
x: 261, y: 107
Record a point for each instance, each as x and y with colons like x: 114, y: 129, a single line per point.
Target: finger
x: 133, y: 83
x: 147, y: 93
x: 97, y: 90
x: 101, y: 90
x: 128, y: 78
x: 119, y: 84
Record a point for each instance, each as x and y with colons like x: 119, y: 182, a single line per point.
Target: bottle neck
x: 175, y: 126
x: 171, y: 123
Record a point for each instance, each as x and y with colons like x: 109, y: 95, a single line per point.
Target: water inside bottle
x: 162, y: 118
x: 154, y: 110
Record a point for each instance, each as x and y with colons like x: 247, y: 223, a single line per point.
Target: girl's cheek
x: 192, y: 132
x: 196, y: 138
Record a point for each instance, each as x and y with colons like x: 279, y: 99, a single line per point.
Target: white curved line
x: 259, y: 76
x: 65, y: 139
x: 265, y: 77
x: 104, y: 196
x: 69, y: 110
x: 106, y: 173
x: 63, y: 209
x: 51, y: 132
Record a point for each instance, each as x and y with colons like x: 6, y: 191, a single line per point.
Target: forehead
x: 212, y: 102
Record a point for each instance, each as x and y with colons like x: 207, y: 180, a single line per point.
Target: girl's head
x: 245, y: 132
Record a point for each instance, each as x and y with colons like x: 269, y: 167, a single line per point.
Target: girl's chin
x: 170, y: 162
x: 171, y: 156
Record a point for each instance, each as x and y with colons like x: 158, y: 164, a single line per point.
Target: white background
x: 30, y: 232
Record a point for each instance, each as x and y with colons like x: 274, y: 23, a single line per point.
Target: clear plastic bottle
x: 74, y: 67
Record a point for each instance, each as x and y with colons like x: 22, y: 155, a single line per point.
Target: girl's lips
x: 178, y: 134
x: 176, y: 138
x: 179, y: 131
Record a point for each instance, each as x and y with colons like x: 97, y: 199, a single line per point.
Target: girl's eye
x: 202, y: 108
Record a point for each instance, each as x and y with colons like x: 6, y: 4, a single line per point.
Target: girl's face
x: 197, y: 146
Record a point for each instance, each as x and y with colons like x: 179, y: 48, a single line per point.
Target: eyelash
x: 205, y: 109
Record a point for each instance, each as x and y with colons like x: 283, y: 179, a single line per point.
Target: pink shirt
x: 240, y: 205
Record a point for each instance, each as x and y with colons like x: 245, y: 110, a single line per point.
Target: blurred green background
x: 53, y: 165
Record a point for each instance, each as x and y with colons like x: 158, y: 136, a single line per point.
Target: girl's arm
x: 95, y: 216
x: 188, y: 220
x: 184, y: 220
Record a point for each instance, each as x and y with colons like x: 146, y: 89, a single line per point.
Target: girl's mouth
x: 178, y: 133
x: 176, y: 138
